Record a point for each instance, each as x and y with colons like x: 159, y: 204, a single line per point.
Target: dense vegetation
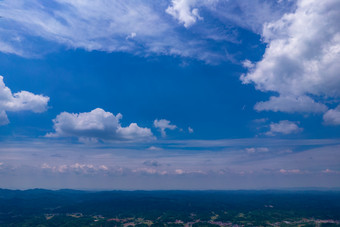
x: 171, y: 208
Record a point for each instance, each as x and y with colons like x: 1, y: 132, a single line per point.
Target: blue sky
x: 173, y: 94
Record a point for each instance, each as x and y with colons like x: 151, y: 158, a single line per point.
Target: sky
x: 169, y: 94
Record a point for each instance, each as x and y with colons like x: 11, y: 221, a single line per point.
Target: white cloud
x: 250, y: 15
x: 162, y: 125
x: 291, y: 104
x: 248, y: 64
x: 283, y: 127
x: 292, y: 171
x: 332, y: 117
x: 3, y: 118
x: 329, y: 171
x: 247, y: 14
x: 183, y: 11
x: 154, y: 148
x: 20, y: 101
x: 251, y: 150
x: 131, y: 36
x: 97, y: 125
x: 138, y: 27
x: 145, y: 170
x: 190, y: 130
x: 133, y: 131
x: 179, y: 171
x: 76, y: 168
x: 92, y: 25
x: 301, y: 59
x: 8, y: 48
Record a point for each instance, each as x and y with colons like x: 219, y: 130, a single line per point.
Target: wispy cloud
x: 136, y: 27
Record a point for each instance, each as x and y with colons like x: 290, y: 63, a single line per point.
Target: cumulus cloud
x: 19, y: 101
x: 97, y: 125
x: 283, y: 127
x: 301, y: 60
x: 332, y: 117
x: 162, y: 125
x: 183, y: 11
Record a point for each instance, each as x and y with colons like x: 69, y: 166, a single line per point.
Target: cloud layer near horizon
x: 305, y: 162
